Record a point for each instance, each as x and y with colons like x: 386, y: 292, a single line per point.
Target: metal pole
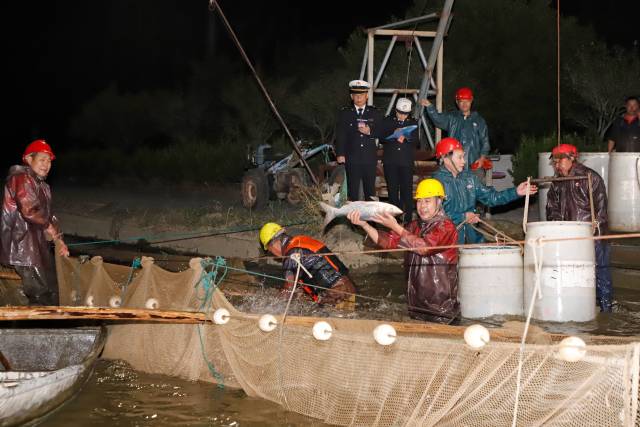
x: 363, y: 68
x: 439, y: 86
x: 385, y: 60
x: 370, y: 66
x: 437, y: 42
x: 215, y: 6
x: 393, y: 99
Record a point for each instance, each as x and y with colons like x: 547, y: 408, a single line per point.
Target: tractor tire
x: 255, y: 189
x: 296, y: 184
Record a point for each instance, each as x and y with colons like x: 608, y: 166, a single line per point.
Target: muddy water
x: 116, y: 395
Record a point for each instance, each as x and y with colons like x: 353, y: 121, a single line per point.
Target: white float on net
x: 152, y: 304
x: 322, y: 330
x: 476, y: 336
x: 89, y: 301
x: 267, y: 322
x: 221, y: 316
x: 572, y: 349
x: 384, y: 334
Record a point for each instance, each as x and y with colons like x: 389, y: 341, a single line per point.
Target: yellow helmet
x: 429, y: 188
x: 268, y: 232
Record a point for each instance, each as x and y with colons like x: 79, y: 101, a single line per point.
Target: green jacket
x: 463, y: 192
x: 472, y: 131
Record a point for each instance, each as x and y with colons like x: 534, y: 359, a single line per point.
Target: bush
x: 193, y: 162
x: 525, y: 160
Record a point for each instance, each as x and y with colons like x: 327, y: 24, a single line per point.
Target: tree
x: 601, y: 78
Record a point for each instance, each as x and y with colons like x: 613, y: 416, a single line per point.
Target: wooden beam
x: 382, y: 32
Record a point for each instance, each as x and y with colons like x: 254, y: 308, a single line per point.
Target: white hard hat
x: 403, y: 105
x: 359, y: 86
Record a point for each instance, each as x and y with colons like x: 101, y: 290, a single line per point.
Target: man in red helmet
x: 27, y: 223
x: 570, y: 201
x: 465, y: 125
x: 464, y: 190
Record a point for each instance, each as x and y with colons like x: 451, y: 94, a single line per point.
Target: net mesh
x: 422, y: 379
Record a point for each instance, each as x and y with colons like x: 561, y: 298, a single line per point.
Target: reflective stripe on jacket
x: 325, y: 270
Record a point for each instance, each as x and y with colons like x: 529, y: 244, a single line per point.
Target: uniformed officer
x: 356, y: 141
x: 398, y: 157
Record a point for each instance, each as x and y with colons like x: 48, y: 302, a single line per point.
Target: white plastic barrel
x: 567, y: 279
x: 490, y: 281
x: 545, y: 168
x: 624, y: 192
x: 599, y: 162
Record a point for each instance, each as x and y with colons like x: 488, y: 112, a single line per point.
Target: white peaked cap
x: 359, y: 86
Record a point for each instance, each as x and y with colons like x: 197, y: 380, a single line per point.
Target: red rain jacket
x: 26, y: 214
x: 432, y: 274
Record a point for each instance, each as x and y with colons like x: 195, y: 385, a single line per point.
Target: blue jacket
x: 463, y: 192
x: 472, y: 131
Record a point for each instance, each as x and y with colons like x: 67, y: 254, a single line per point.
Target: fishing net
x: 428, y: 376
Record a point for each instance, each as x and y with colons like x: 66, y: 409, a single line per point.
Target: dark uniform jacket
x: 569, y: 200
x: 626, y: 134
x: 357, y: 147
x: 26, y: 214
x: 432, y: 275
x: 396, y: 153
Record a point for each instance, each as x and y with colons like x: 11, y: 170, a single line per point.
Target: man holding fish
x: 432, y: 291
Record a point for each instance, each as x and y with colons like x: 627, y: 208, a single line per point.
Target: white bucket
x: 599, y: 162
x: 545, y: 168
x: 624, y: 196
x: 490, y: 281
x: 568, y: 276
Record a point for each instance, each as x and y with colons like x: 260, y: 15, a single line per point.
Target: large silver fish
x: 367, y: 210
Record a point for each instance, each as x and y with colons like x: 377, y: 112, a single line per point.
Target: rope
x: 180, y: 236
x: 213, y: 5
x: 210, y: 281
x: 558, y: 65
x: 535, y: 245
x: 296, y: 258
x: 460, y: 246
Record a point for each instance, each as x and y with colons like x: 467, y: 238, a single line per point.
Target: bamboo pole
x: 555, y: 179
x: 11, y: 313
x: 193, y: 317
x: 9, y: 275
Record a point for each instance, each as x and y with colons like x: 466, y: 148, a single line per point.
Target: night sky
x: 60, y: 54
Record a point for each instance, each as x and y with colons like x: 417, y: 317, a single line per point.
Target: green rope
x: 136, y: 263
x: 210, y: 281
x: 178, y: 236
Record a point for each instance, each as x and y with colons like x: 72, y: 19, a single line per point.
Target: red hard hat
x: 464, y: 93
x: 446, y: 146
x: 38, y: 146
x: 565, y: 150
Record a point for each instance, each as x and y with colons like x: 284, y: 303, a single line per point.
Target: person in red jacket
x: 27, y: 224
x: 432, y: 291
